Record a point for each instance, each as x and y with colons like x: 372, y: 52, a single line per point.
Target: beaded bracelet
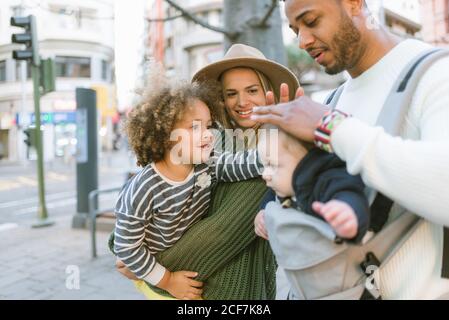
x: 327, y: 124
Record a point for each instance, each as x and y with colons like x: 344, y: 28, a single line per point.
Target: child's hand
x: 121, y: 267
x: 181, y: 285
x: 259, y: 225
x: 340, y: 216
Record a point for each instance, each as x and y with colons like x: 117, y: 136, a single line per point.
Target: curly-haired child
x: 173, y: 190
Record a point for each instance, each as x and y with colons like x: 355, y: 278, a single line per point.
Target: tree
x: 299, y: 61
x: 253, y: 22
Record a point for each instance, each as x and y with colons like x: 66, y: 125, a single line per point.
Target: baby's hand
x: 259, y: 225
x: 340, y: 216
x: 181, y: 285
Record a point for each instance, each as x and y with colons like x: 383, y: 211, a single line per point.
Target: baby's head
x: 280, y: 153
x: 173, y: 120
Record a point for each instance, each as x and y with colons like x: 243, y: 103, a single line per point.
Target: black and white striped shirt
x: 154, y: 212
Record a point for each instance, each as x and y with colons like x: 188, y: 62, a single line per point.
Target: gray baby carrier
x: 319, y: 268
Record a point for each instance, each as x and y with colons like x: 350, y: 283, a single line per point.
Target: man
x: 412, y: 170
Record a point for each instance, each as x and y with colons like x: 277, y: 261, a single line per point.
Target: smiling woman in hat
x: 247, y: 77
x: 223, y: 248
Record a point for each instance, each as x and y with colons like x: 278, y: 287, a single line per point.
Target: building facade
x: 184, y: 47
x: 79, y: 37
x: 436, y: 21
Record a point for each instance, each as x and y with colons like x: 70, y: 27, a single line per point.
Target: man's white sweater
x: 412, y: 170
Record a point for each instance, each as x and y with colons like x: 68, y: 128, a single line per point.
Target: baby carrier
x: 319, y: 268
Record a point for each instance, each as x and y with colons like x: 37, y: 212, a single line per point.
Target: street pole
x: 42, y: 213
x: 24, y: 120
x: 41, y: 78
x: 24, y: 115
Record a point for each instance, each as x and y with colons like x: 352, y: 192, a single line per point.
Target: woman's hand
x: 259, y: 225
x: 123, y: 269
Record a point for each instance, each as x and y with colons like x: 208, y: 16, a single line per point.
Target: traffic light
x: 27, y: 139
x: 29, y: 38
x: 48, y: 76
x: 30, y: 137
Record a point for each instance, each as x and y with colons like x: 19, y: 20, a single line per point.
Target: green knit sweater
x: 222, y: 247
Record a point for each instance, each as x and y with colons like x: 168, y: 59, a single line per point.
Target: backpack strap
x: 333, y: 98
x: 396, y: 107
x: 391, y: 118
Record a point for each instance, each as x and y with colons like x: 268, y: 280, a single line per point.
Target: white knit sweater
x: 412, y: 170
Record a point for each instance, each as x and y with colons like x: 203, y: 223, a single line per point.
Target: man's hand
x: 259, y: 225
x: 340, y: 216
x: 181, y: 285
x: 284, y: 94
x: 299, y: 117
x: 121, y: 267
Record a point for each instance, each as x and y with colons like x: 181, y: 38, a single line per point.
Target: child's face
x: 196, y: 140
x: 278, y: 168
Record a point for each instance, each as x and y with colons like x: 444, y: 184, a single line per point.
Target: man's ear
x: 353, y: 7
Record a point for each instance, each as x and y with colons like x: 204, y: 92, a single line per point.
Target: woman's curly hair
x: 151, y: 122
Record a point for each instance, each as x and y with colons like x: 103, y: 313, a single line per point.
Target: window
x: 220, y: 17
x: 71, y: 15
x: 2, y: 71
x: 446, y: 15
x: 17, y: 11
x: 72, y: 67
x: 19, y: 70
x: 104, y: 70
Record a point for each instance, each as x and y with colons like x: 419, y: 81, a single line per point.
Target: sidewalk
x: 44, y: 264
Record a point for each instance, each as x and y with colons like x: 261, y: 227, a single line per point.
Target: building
x: 436, y: 21
x: 185, y: 47
x: 79, y: 37
x: 402, y: 17
x: 182, y: 45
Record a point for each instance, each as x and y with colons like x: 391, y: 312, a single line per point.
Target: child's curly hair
x: 151, y: 122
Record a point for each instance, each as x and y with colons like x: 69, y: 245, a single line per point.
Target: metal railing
x: 94, y: 212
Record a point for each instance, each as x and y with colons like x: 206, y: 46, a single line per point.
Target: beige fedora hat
x: 240, y: 55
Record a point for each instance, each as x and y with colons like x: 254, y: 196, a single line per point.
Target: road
x: 19, y: 193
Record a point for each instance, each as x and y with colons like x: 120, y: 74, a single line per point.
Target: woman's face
x: 242, y: 91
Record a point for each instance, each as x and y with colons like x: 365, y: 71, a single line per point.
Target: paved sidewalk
x: 44, y: 264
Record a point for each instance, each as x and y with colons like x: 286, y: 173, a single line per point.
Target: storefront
x: 59, y: 133
x: 7, y: 123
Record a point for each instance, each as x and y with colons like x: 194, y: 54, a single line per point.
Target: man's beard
x: 346, y: 45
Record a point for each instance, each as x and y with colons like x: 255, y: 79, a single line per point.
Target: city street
x: 19, y: 193
x: 55, y: 262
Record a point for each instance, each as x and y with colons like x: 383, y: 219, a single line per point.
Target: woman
x: 222, y: 247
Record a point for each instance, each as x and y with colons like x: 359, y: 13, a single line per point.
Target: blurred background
x: 104, y: 46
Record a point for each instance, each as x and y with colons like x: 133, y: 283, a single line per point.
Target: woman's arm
x: 210, y: 244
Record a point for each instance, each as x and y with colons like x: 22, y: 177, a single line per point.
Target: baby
x: 313, y: 182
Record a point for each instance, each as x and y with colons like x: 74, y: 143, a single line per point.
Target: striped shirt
x: 154, y: 212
